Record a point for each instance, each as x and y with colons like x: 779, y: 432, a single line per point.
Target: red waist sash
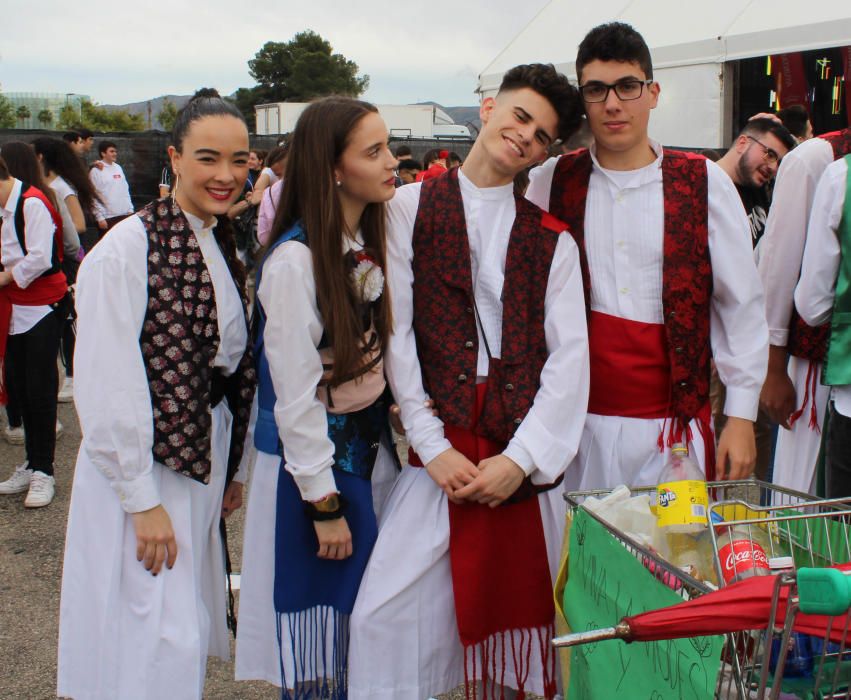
x: 630, y: 370
x: 631, y: 377
x: 42, y: 291
x: 500, y: 576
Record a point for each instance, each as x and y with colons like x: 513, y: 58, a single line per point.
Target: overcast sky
x: 412, y: 51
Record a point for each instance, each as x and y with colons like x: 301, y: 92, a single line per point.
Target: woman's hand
x: 5, y: 278
x: 232, y: 500
x: 155, y: 542
x: 335, y: 539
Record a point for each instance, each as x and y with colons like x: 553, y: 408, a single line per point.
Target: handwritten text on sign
x: 606, y: 583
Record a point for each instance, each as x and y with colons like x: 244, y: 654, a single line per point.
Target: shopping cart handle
x: 823, y: 591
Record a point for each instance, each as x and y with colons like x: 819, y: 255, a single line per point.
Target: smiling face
x: 212, y: 166
x: 619, y: 126
x: 253, y: 161
x: 518, y: 126
x: 366, y: 168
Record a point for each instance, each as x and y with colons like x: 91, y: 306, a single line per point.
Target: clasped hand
x: 489, y: 482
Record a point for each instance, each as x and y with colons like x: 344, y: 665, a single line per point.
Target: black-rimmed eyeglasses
x: 769, y: 155
x: 625, y: 90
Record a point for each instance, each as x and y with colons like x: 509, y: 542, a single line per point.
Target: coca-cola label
x: 741, y: 557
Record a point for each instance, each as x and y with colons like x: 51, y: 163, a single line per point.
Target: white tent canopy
x: 689, y: 42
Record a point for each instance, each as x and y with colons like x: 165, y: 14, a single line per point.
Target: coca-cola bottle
x: 743, y: 552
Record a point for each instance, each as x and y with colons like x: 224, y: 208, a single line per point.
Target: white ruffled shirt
x: 111, y: 391
x: 547, y: 439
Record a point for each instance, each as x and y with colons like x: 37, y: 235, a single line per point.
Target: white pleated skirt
x: 404, y: 635
x: 258, y: 655
x: 123, y: 633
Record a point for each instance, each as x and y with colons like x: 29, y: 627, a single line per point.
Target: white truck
x: 406, y: 121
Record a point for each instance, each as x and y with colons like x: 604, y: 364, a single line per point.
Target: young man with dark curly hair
x: 671, y: 277
x: 489, y: 322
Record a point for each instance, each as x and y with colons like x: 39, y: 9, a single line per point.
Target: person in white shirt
x: 165, y: 382
x: 110, y: 182
x: 822, y: 295
x: 33, y: 296
x: 792, y: 395
x: 489, y: 323
x: 672, y: 281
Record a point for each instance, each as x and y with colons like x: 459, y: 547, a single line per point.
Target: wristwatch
x: 330, y: 507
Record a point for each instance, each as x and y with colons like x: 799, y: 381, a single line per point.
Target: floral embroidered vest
x: 179, y: 341
x: 806, y: 341
x: 686, y: 271
x: 444, y: 318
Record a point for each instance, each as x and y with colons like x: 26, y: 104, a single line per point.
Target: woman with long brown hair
x: 323, y: 323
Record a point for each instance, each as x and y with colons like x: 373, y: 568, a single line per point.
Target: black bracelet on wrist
x: 319, y: 512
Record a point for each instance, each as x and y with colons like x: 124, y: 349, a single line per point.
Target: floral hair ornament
x: 367, y: 277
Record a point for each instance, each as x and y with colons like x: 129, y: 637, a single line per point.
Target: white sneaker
x: 14, y: 436
x: 41, y: 490
x: 19, y: 481
x: 66, y: 391
x: 59, y: 428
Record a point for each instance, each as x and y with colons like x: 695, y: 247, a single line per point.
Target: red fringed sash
x: 501, y: 580
x: 809, y: 397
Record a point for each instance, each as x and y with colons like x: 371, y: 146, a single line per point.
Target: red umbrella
x: 741, y: 606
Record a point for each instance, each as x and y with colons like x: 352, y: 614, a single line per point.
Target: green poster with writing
x: 606, y: 583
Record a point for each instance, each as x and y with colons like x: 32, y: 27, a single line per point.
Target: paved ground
x: 31, y: 545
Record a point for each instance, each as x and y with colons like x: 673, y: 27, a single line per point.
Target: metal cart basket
x: 816, y: 533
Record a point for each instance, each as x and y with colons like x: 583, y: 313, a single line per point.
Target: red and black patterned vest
x: 179, y: 341
x: 686, y: 271
x: 808, y: 342
x: 444, y: 319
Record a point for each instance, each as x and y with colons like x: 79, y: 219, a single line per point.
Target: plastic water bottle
x: 799, y: 655
x: 682, y: 503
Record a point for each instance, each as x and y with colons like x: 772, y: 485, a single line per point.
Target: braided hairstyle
x: 207, y: 102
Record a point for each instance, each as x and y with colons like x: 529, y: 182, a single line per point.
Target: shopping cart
x: 759, y: 616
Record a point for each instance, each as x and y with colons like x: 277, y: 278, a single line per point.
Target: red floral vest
x: 687, y: 268
x: 808, y: 342
x: 444, y: 319
x: 179, y: 341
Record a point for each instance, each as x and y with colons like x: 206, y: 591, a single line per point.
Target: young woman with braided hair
x: 165, y: 381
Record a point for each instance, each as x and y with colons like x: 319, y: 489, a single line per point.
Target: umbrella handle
x: 823, y: 591
x: 620, y: 631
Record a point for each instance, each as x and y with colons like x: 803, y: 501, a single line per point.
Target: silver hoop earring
x: 339, y: 183
x: 174, y: 189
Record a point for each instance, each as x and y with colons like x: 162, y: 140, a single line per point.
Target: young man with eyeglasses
x: 671, y: 281
x: 793, y: 395
x: 752, y: 162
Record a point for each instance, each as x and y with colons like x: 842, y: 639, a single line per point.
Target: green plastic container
x: 823, y: 591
